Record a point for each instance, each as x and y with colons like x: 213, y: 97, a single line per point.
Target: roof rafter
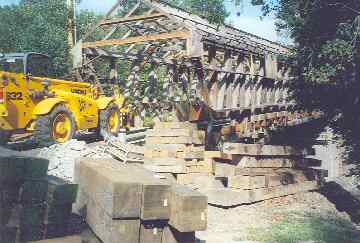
x: 138, y: 39
x: 117, y: 21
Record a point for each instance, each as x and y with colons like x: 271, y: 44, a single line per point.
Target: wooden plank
x: 202, y: 166
x: 166, y: 161
x: 137, y: 40
x: 279, y: 191
x: 174, y: 169
x: 253, y: 162
x: 261, y: 150
x: 188, y: 210
x: 175, y: 125
x: 168, y: 140
x: 166, y: 132
x: 131, y: 19
x: 246, y: 182
x: 230, y: 197
x: 200, y: 181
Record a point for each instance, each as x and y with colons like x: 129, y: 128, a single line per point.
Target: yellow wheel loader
x: 52, y: 109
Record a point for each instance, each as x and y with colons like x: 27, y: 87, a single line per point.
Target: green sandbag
x: 33, y: 191
x: 60, y: 191
x: 35, y: 168
x: 12, y: 169
x: 32, y: 215
x: 58, y: 213
x: 8, y: 234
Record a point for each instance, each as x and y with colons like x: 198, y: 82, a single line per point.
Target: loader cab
x: 32, y: 64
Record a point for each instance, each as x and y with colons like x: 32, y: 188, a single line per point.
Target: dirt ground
x: 241, y: 223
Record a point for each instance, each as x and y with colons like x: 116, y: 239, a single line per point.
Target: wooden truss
x: 228, y: 69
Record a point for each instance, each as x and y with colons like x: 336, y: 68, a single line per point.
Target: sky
x: 249, y: 19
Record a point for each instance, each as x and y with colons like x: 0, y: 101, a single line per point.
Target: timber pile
x: 240, y: 174
x: 126, y: 203
x: 248, y: 173
x: 175, y: 148
x: 33, y: 206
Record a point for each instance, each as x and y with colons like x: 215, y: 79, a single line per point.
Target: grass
x: 302, y: 228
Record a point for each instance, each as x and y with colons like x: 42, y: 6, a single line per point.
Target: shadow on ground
x: 342, y: 199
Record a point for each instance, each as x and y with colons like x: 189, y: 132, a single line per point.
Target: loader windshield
x: 38, y: 65
x: 12, y: 65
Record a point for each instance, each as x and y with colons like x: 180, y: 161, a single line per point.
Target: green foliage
x: 309, y: 228
x: 212, y: 10
x: 38, y: 26
x: 327, y: 57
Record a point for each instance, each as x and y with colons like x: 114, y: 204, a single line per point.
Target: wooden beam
x: 114, y: 29
x: 138, y: 39
x: 131, y: 19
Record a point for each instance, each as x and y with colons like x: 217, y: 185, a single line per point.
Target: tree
x: 327, y: 55
x: 212, y: 10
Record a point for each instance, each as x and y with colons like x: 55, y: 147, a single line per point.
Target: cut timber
x: 199, y: 181
x: 174, y: 169
x: 172, y: 235
x: 124, y: 191
x: 246, y: 182
x: 253, y: 162
x: 118, y: 21
x: 225, y: 169
x: 138, y: 39
x: 165, y: 165
x: 190, y: 155
x: 152, y: 231
x: 169, y: 140
x: 202, y: 166
x: 232, y: 197
x: 110, y: 230
x: 261, y: 150
x: 188, y: 210
x: 114, y: 190
x: 166, y: 132
x: 175, y: 125
x: 164, y: 161
x: 279, y: 191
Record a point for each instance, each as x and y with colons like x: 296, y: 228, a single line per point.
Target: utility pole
x: 71, y: 5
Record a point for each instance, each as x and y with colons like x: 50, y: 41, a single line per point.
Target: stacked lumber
x: 126, y: 203
x: 176, y: 148
x: 33, y: 206
x: 248, y: 173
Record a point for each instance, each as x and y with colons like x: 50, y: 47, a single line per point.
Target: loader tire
x: 56, y: 127
x: 110, y: 121
x: 4, y: 137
